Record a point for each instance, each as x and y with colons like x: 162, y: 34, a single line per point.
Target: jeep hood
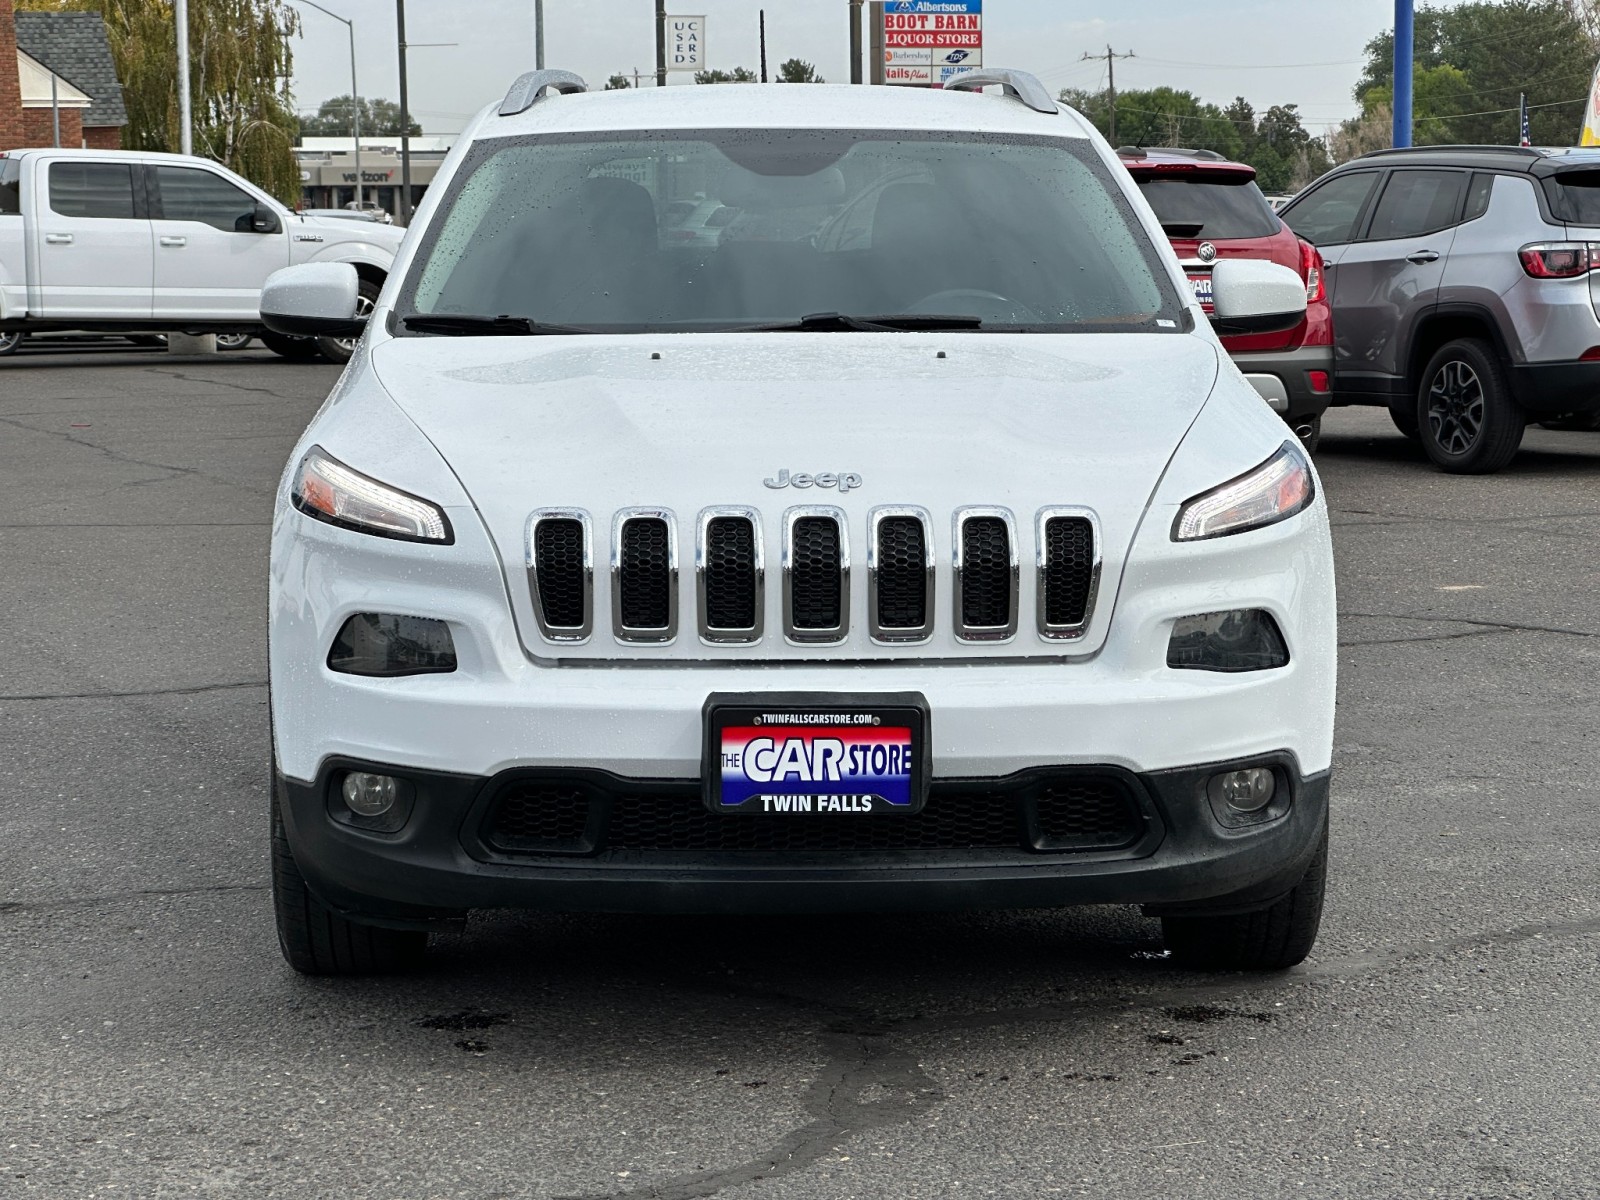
x: 683, y: 423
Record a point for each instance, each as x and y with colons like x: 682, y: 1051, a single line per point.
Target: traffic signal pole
x: 1404, y: 59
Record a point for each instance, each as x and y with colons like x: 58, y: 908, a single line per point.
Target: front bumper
x: 1283, y: 378
x: 1179, y: 855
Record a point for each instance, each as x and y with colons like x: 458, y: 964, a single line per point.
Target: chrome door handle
x: 1422, y: 257
x: 174, y: 241
x: 58, y: 239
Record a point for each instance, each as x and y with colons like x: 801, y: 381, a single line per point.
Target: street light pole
x: 185, y: 104
x: 355, y: 101
x: 405, y: 121
x: 855, y: 40
x: 538, y: 34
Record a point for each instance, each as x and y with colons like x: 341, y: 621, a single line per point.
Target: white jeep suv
x: 914, y: 545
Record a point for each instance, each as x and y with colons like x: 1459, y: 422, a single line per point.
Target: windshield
x: 1215, y: 208
x: 600, y: 232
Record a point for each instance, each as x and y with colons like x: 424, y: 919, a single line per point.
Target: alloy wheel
x: 364, y: 307
x: 1456, y: 407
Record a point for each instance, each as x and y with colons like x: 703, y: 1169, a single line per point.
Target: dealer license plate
x: 818, y: 756
x: 1202, y: 289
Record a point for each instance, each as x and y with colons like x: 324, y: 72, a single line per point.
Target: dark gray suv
x: 1465, y: 283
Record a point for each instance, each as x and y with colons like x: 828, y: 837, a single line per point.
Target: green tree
x: 240, y: 64
x: 799, y: 71
x: 618, y: 83
x: 334, y: 118
x: 737, y: 75
x: 1160, y: 117
x: 1491, y: 52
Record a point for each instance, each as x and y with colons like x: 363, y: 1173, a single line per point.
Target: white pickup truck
x: 128, y: 242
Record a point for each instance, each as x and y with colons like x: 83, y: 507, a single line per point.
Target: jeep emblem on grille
x: 845, y: 482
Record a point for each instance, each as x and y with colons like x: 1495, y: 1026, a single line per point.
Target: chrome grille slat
x: 1068, y: 541
x: 987, y: 577
x: 816, y: 575
x: 560, y: 565
x: 644, y: 576
x: 901, y: 572
x: 730, y: 576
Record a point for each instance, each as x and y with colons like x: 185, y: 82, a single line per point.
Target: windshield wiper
x: 467, y: 325
x: 829, y: 322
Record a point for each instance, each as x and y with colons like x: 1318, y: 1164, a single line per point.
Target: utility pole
x: 1111, y: 57
x: 855, y: 40
x: 538, y: 34
x: 355, y: 100
x: 763, y: 45
x: 185, y: 103
x: 405, y: 121
x: 661, y: 43
x: 1404, y: 61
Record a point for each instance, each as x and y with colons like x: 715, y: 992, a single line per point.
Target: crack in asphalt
x: 1507, y: 626
x: 130, y: 460
x: 238, y: 387
x: 136, y: 525
x: 195, y: 690
x: 1389, y: 519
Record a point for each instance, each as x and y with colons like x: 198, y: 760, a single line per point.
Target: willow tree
x: 240, y: 62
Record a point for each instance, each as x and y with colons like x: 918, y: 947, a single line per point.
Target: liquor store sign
x: 931, y: 41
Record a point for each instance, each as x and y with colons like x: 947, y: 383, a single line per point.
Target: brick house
x: 64, y: 55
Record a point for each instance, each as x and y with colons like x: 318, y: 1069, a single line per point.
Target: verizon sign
x: 927, y: 42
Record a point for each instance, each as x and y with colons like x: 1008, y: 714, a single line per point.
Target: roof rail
x: 1021, y: 84
x: 1519, y: 151
x: 528, y: 89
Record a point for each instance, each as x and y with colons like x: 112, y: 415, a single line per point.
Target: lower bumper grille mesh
x: 1048, y: 812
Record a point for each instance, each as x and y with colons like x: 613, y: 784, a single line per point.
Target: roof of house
x: 74, y: 46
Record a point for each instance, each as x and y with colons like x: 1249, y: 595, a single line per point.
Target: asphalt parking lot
x: 1441, y: 1042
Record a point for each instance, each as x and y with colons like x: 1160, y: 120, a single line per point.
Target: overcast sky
x: 1269, y: 51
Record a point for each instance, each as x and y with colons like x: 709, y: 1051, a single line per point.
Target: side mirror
x: 265, y: 220
x: 313, y: 300
x: 1251, y: 296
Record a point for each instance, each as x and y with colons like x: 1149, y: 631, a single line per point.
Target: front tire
x: 10, y: 341
x: 295, y: 349
x: 314, y: 939
x: 1271, y: 939
x: 339, y: 350
x: 1465, y: 414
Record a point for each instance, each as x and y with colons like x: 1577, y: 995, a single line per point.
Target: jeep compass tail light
x: 1273, y: 492
x: 1560, y: 260
x: 326, y: 489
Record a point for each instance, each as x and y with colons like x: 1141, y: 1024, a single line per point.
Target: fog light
x: 370, y: 795
x: 386, y: 645
x: 1245, y: 791
x: 1242, y: 640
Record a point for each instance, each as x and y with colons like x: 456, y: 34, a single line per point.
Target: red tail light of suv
x: 1212, y: 209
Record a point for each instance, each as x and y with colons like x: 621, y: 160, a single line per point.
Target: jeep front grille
x: 904, y: 549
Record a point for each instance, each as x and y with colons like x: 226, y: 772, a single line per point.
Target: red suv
x: 1212, y: 209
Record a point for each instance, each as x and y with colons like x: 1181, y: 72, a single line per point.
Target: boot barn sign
x: 927, y: 42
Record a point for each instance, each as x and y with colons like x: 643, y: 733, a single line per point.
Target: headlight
x: 328, y: 490
x: 1273, y: 492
